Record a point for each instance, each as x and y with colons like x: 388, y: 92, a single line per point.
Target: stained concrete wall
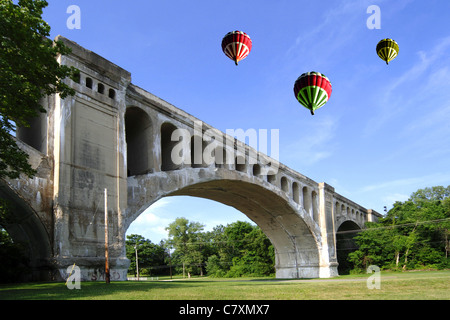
x: 89, y: 155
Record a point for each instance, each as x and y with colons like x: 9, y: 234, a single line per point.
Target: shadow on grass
x: 113, y: 290
x: 89, y: 290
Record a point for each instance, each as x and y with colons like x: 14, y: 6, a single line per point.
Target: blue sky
x: 384, y: 133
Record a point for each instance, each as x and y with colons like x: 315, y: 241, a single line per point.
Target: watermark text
x: 374, y: 20
x: 374, y: 281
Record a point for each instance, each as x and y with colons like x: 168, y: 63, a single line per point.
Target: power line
x: 394, y: 226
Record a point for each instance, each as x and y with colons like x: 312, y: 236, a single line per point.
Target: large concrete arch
x: 26, y: 228
x: 294, y: 234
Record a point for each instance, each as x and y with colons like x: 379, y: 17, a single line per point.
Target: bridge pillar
x: 89, y: 153
x: 328, y: 258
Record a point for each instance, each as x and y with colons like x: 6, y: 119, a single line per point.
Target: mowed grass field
x: 420, y: 285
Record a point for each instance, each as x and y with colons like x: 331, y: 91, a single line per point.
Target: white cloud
x: 392, y: 198
x: 152, y: 222
x: 401, y: 188
x: 314, y: 144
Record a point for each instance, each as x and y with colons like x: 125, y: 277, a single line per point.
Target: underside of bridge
x: 296, y: 250
x: 296, y: 247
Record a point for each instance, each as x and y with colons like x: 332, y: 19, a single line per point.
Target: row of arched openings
x: 140, y: 138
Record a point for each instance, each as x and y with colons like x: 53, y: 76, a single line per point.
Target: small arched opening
x: 240, y: 163
x: 315, y: 206
x: 138, y: 137
x: 256, y: 170
x: 296, y: 192
x: 284, y: 184
x: 306, y: 200
x: 167, y: 164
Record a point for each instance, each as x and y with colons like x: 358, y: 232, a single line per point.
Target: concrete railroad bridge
x: 112, y: 134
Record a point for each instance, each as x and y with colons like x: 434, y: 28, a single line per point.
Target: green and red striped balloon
x: 236, y: 45
x: 312, y: 90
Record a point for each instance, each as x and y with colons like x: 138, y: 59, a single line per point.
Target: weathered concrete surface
x: 115, y: 135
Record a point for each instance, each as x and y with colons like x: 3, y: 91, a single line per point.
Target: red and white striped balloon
x: 236, y: 45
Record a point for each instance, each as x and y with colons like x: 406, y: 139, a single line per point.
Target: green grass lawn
x: 420, y: 285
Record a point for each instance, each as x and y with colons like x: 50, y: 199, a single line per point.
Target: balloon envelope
x: 387, y: 49
x: 236, y: 45
x: 312, y: 90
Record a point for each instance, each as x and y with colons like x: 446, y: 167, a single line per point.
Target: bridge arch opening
x: 137, y: 135
x: 152, y: 224
x: 345, y: 244
x: 296, y: 246
x: 25, y: 228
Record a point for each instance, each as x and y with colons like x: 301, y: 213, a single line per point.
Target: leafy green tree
x: 437, y: 193
x: 256, y: 257
x: 214, y: 267
x: 184, y: 237
x: 28, y: 71
x: 151, y: 256
x: 413, y: 234
x: 235, y: 250
x: 219, y: 254
x: 246, y: 251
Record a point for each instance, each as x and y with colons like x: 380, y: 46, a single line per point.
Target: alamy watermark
x: 74, y: 277
x: 374, y: 281
x: 374, y: 20
x: 214, y: 147
x: 74, y: 20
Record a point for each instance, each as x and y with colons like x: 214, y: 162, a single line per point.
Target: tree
x: 29, y: 70
x: 413, y: 234
x: 437, y: 193
x: 245, y: 250
x: 256, y: 258
x: 150, y: 256
x: 184, y: 237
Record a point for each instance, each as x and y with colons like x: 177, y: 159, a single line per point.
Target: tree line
x: 414, y: 234
x: 238, y: 249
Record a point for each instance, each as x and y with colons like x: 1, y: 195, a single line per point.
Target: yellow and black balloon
x: 387, y: 49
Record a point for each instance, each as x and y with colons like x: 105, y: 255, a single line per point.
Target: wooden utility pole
x: 137, y: 262
x: 107, y: 277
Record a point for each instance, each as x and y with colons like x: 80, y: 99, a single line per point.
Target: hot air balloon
x: 236, y: 45
x: 387, y: 49
x: 312, y: 90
